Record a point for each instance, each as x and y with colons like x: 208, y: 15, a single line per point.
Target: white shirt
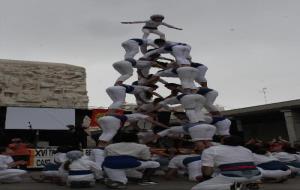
x: 60, y: 157
x: 130, y: 149
x: 4, y: 161
x: 260, y: 159
x: 224, y: 154
x: 284, y: 156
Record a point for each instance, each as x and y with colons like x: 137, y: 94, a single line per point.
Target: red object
x: 97, y: 113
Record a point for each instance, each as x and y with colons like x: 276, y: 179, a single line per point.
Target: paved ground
x: 178, y: 184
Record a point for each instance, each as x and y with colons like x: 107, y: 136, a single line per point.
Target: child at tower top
x: 151, y: 26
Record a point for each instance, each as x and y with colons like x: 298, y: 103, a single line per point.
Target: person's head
x: 276, y: 147
x: 232, y: 141
x: 74, y: 155
x: 172, y: 86
x: 159, y: 42
x: 157, y: 17
x: 257, y: 149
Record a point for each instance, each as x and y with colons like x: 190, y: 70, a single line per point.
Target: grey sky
x: 246, y: 44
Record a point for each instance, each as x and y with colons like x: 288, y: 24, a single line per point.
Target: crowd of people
x: 199, y: 144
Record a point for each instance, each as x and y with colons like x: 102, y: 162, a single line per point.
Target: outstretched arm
x: 134, y: 22
x: 170, y: 26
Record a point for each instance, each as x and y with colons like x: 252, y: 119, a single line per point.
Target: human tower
x: 192, y: 92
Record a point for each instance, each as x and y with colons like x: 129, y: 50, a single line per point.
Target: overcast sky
x: 247, y: 44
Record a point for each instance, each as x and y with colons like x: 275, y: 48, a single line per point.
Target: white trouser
x: 194, y: 170
x: 223, y: 127
x: 274, y: 174
x: 131, y: 49
x: 117, y: 94
x: 210, y: 100
x: 187, y: 76
x: 193, y: 104
x: 181, y: 54
x: 97, y: 155
x: 120, y: 174
x: 148, y: 31
x: 110, y: 126
x: 52, y: 173
x: 221, y: 182
x: 11, y: 175
x: 124, y: 68
x: 202, y: 132
x: 86, y: 177
x: 201, y: 74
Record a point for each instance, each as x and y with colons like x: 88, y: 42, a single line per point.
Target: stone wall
x: 41, y: 84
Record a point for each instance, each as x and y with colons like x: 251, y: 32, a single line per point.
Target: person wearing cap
x: 134, y: 45
x: 151, y: 26
x: 78, y: 170
x: 236, y: 165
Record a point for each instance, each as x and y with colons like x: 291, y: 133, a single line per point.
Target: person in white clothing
x: 222, y: 124
x: 126, y: 158
x: 132, y: 46
x: 191, y: 163
x: 151, y: 26
x: 79, y: 171
x: 7, y: 173
x: 210, y: 96
x: 111, y: 124
x: 271, y: 168
x: 143, y: 94
x: 235, y: 162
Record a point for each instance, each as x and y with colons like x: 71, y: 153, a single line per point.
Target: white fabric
x: 202, y: 132
x: 210, y: 100
x: 221, y: 182
x: 11, y: 175
x: 59, y: 157
x: 139, y: 151
x: 193, y: 104
x: 136, y: 117
x: 177, y: 161
x: 97, y: 155
x: 284, y: 156
x: 223, y: 127
x: 125, y: 69
x: 117, y: 94
x: 259, y: 159
x: 223, y: 154
x: 201, y: 74
x: 147, y: 32
x: 194, y: 170
x: 187, y: 77
x: 82, y: 164
x: 4, y: 161
x: 274, y: 174
x: 110, y: 126
x: 131, y: 48
x: 181, y: 53
x: 120, y: 174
